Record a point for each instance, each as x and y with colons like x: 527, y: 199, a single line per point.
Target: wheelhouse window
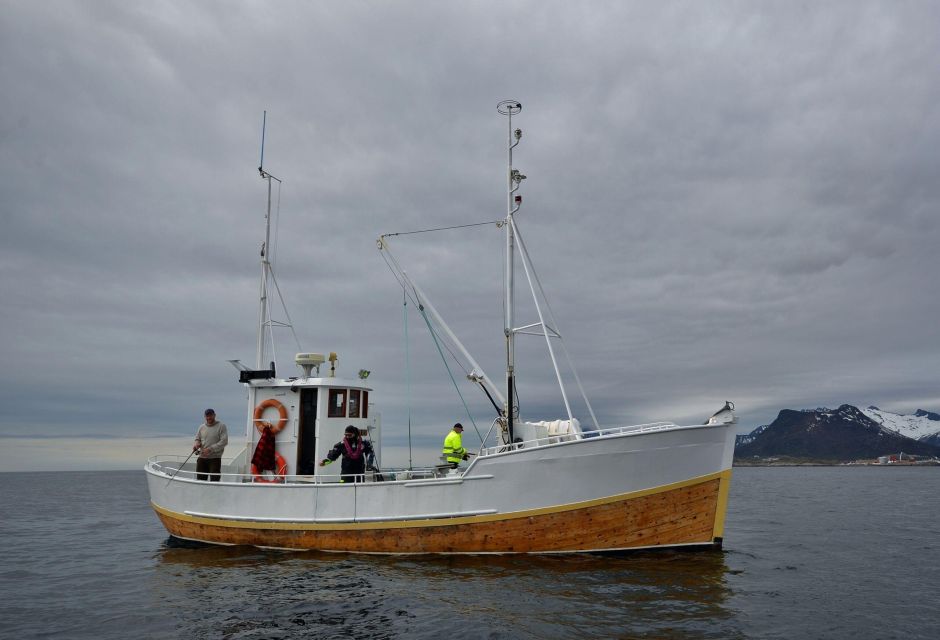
x: 337, y: 406
x: 365, y: 404
x: 354, y: 395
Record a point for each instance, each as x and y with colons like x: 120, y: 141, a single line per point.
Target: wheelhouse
x: 308, y: 416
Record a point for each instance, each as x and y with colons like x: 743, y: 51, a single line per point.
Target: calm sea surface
x: 809, y: 553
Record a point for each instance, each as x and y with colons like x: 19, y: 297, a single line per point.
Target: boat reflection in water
x: 661, y: 594
x: 535, y: 486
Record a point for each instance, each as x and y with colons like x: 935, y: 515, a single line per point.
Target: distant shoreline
x: 839, y: 463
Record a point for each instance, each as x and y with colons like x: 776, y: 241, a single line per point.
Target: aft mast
x: 513, y: 179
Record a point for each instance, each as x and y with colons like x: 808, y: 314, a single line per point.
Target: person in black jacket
x: 354, y: 451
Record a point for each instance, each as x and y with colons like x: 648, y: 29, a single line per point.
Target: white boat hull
x: 664, y: 487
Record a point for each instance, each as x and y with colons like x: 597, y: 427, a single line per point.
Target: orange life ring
x: 259, y: 411
x: 281, y: 463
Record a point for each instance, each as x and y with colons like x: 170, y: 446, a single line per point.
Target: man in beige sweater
x: 211, y: 438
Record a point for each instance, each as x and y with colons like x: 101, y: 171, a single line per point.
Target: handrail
x: 569, y: 437
x: 164, y: 464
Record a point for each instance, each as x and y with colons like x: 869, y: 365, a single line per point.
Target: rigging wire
x: 277, y: 225
x: 406, y: 294
x: 401, y: 283
x: 404, y: 299
x: 459, y: 226
x: 417, y: 303
x: 524, y: 252
x: 452, y: 379
x: 290, y: 323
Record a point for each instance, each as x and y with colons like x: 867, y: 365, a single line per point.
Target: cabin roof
x: 309, y: 383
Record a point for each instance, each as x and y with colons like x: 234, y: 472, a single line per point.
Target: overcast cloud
x: 725, y: 201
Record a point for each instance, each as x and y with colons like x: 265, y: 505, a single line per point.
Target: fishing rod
x: 180, y: 467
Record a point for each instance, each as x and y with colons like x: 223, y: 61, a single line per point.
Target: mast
x: 263, y: 320
x: 513, y: 179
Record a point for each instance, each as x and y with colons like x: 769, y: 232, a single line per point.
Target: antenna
x: 264, y: 123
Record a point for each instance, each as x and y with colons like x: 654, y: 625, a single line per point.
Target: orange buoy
x: 259, y: 411
x: 279, y: 474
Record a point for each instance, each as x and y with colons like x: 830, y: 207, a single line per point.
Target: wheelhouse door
x: 307, y: 440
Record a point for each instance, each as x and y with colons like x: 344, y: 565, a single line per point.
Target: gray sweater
x: 212, y: 439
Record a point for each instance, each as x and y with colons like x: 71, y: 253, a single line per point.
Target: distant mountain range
x: 922, y: 425
x: 843, y: 434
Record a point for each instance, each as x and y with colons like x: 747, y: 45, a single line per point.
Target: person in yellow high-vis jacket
x: 453, y: 446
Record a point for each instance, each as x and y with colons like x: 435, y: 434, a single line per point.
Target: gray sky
x: 725, y: 201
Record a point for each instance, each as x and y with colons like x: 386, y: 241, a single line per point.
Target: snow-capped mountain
x: 749, y: 437
x: 922, y: 425
x: 846, y: 433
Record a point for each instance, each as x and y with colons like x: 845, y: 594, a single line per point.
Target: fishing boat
x: 534, y: 485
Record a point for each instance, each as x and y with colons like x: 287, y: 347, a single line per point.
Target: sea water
x: 810, y: 552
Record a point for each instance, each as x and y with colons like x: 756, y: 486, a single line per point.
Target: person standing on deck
x: 354, y: 451
x: 211, y: 438
x: 453, y: 446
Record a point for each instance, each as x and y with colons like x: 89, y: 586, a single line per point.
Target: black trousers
x: 208, y: 469
x: 352, y: 470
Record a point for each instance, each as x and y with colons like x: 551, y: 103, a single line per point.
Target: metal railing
x: 571, y: 437
x: 169, y: 466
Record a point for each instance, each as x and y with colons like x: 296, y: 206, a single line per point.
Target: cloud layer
x: 724, y: 201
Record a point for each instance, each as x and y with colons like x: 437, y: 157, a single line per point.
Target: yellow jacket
x: 453, y: 447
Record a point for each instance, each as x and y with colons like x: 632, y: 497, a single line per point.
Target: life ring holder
x: 259, y: 411
x: 280, y: 462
